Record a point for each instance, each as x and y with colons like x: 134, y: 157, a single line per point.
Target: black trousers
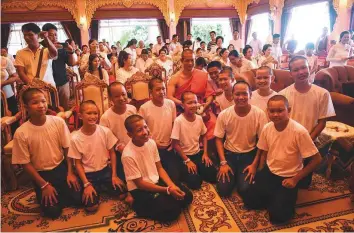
x: 12, y: 105
x: 238, y: 162
x: 160, y: 206
x: 102, y: 182
x: 66, y: 196
x: 170, y: 163
x: 269, y: 193
x: 194, y: 181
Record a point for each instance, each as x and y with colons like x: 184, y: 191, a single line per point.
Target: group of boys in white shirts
x: 123, y: 140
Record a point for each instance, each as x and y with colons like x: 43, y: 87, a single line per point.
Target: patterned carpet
x: 325, y: 207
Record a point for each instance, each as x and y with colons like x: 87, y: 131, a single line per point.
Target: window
x: 17, y: 42
x: 123, y: 30
x: 260, y: 24
x: 200, y: 27
x: 307, y: 22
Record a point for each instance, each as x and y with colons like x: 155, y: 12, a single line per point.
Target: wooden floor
x: 325, y: 207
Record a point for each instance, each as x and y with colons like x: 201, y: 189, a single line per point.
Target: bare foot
x: 129, y: 199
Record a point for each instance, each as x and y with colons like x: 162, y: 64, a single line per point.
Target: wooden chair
x: 52, y: 98
x: 177, y: 66
x: 91, y: 88
x: 8, y: 173
x: 157, y: 71
x: 138, y: 85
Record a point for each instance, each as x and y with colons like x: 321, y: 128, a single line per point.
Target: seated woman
x: 84, y: 61
x: 224, y: 57
x: 166, y: 63
x: 248, y: 63
x: 267, y: 59
x: 126, y: 68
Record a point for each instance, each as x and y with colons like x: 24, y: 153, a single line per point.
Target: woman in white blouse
x: 166, y: 63
x: 248, y: 63
x: 340, y: 53
x: 95, y: 69
x: 224, y: 57
x: 267, y: 59
x: 8, y: 77
x: 126, y: 69
x: 84, y: 62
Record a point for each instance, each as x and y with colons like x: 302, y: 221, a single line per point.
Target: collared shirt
x: 256, y: 46
x: 29, y: 60
x: 157, y: 48
x: 142, y: 65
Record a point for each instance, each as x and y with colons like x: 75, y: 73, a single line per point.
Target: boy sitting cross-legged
x: 157, y: 199
x: 159, y: 114
x: 92, y: 146
x: 41, y: 146
x: 187, y: 131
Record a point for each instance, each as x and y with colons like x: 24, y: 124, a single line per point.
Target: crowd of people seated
x: 204, y: 123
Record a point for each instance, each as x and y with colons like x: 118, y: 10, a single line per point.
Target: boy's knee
x: 224, y: 189
x: 279, y: 213
x: 194, y: 181
x: 92, y: 208
x: 209, y: 174
x: 188, y: 198
x: 52, y: 211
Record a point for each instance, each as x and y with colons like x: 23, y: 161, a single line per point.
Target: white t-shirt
x: 29, y: 60
x: 140, y: 162
x: 238, y: 44
x: 7, y: 69
x: 115, y: 122
x: 286, y: 149
x: 277, y: 51
x: 143, y: 65
x: 241, y: 132
x: 122, y: 75
x: 223, y: 102
x: 307, y: 108
x: 159, y: 120
x: 256, y: 46
x: 188, y: 133
x: 93, y: 150
x: 261, y: 101
x: 167, y: 65
x: 248, y: 65
x: 132, y: 52
x: 42, y: 146
x: 157, y: 47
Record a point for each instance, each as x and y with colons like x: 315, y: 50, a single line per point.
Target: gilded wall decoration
x: 32, y: 5
x: 276, y: 7
x: 336, y: 4
x: 240, y: 6
x: 93, y: 5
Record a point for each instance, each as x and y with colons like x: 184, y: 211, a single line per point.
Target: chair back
x: 138, y: 84
x: 50, y: 93
x: 177, y: 66
x: 157, y: 71
x: 92, y: 88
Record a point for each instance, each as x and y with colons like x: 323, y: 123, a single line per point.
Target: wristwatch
x: 186, y: 161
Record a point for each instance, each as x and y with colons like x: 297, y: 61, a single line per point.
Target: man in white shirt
x: 27, y: 59
x: 158, y: 46
x: 310, y: 104
x: 5, y: 53
x: 144, y: 61
x: 256, y: 44
x: 277, y: 50
x: 284, y: 144
x: 241, y: 124
x: 236, y: 41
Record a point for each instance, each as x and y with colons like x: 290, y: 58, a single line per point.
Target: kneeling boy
x: 143, y: 169
x: 92, y: 146
x: 41, y: 145
x: 284, y: 143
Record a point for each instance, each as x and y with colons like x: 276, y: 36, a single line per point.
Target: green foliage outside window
x: 203, y: 30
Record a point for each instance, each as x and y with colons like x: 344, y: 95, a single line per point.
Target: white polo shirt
x: 29, y: 60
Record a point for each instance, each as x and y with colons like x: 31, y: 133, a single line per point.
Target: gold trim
x: 93, y: 5
x: 69, y: 5
x: 239, y: 5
